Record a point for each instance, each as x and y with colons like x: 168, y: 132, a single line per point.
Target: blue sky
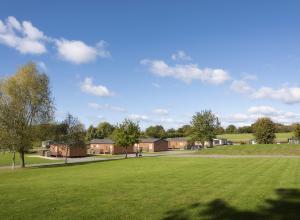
x: 158, y: 62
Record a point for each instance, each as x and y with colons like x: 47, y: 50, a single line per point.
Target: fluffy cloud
x: 23, y: 37
x: 106, y: 106
x: 186, y: 73
x: 181, y: 55
x: 241, y: 86
x: 28, y: 39
x: 255, y: 112
x: 88, y: 87
x: 288, y: 95
x: 160, y: 111
x: 78, y: 52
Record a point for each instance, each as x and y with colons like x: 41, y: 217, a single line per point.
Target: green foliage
x: 126, y: 134
x: 297, y: 131
x: 72, y: 131
x: 184, y: 131
x: 231, y: 129
x: 25, y: 102
x: 157, y: 131
x: 264, y: 131
x: 104, y: 130
x: 204, y: 126
x: 171, y: 132
x: 245, y: 129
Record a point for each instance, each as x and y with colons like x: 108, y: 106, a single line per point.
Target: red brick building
x: 68, y: 150
x: 152, y: 144
x: 107, y: 146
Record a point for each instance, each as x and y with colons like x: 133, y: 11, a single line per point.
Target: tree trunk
x: 125, y: 152
x: 203, y: 144
x: 13, y: 160
x: 22, y: 155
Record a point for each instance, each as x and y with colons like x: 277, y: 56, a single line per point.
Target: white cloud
x: 28, y: 39
x: 88, y: 87
x: 106, y: 106
x: 23, y: 37
x: 288, y: 95
x: 187, y: 73
x: 138, y: 117
x: 181, y: 55
x: 160, y: 111
x: 265, y: 110
x: 255, y: 112
x: 78, y: 52
x: 241, y: 86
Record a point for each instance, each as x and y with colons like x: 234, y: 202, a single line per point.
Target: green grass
x: 6, y: 159
x: 155, y: 188
x: 255, y: 149
x: 280, y: 137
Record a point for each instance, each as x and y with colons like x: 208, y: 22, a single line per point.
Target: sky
x: 159, y: 62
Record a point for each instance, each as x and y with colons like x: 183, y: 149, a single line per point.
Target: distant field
x: 155, y: 188
x: 280, y: 137
x: 6, y: 159
x: 255, y: 149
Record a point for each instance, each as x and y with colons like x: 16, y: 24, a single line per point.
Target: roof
x: 149, y: 140
x: 102, y: 141
x: 177, y: 139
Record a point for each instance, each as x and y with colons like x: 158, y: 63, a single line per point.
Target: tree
x: 126, y: 134
x: 231, y: 129
x: 184, y: 131
x: 156, y: 131
x: 25, y: 101
x: 204, y: 126
x: 297, y: 131
x: 264, y: 131
x: 91, y: 133
x: 104, y: 130
x: 171, y: 132
x: 72, y: 133
x: 245, y: 129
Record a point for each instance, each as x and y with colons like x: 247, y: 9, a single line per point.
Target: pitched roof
x: 177, y: 139
x: 149, y: 140
x: 102, y: 141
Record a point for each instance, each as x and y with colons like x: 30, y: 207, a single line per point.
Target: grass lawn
x: 6, y: 159
x: 255, y: 149
x: 156, y: 188
x: 280, y: 137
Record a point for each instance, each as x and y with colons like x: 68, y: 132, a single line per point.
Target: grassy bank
x: 280, y: 137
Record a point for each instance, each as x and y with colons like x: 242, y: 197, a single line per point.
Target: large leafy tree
x: 104, y: 130
x: 184, y: 131
x: 91, y: 133
x: 264, y: 131
x: 296, y: 131
x: 171, y: 132
x: 205, y: 125
x: 25, y: 101
x: 126, y: 134
x: 231, y: 129
x: 156, y: 131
